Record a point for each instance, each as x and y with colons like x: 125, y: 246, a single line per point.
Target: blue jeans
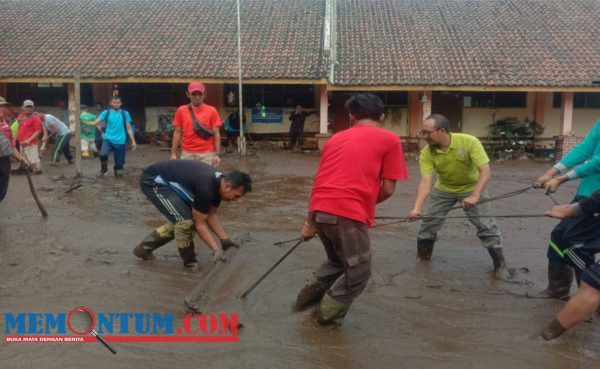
x: 118, y: 153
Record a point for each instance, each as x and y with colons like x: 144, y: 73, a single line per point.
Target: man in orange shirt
x: 200, y: 132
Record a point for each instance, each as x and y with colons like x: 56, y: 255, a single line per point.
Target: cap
x: 3, y: 101
x: 196, y: 86
x: 28, y: 103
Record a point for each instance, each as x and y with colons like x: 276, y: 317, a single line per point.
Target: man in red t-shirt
x: 204, y: 146
x: 28, y: 135
x: 359, y: 168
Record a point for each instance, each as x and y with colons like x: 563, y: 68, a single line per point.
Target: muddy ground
x: 448, y: 313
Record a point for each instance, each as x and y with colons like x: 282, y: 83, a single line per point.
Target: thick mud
x: 447, y: 313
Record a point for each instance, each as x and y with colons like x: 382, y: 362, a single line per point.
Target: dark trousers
x: 62, y: 146
x: 165, y: 199
x: 118, y: 153
x: 296, y: 135
x: 575, y: 241
x: 98, y: 141
x: 348, y: 250
x: 4, y: 176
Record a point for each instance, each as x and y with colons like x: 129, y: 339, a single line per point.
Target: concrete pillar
x: 323, y: 107
x: 71, y: 106
x: 566, y: 114
x: 539, y: 107
x: 414, y: 113
x: 426, y: 105
x: 323, y: 134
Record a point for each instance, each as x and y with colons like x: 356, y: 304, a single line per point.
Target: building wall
x: 476, y: 121
x: 583, y: 120
x: 396, y: 120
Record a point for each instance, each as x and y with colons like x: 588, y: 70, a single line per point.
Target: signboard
x: 267, y: 115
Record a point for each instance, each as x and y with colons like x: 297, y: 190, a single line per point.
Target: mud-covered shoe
x: 119, y: 172
x: 144, y: 252
x: 188, y: 255
x: 501, y: 271
x: 330, y: 311
x: 311, y: 293
x: 553, y: 330
x: 560, y: 278
x: 159, y: 237
x: 192, y: 267
x: 103, y: 170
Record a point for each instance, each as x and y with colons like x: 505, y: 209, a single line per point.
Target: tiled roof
x: 545, y: 43
x: 160, y: 39
x: 468, y: 42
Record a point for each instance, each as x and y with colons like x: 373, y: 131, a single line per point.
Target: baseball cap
x: 28, y: 103
x: 3, y: 101
x: 196, y: 86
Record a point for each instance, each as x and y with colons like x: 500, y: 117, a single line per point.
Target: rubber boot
x: 103, y: 169
x: 560, y: 277
x: 500, y: 269
x: 188, y: 254
x: 553, y: 330
x: 425, y: 249
x: 331, y: 312
x: 311, y: 293
x: 159, y: 237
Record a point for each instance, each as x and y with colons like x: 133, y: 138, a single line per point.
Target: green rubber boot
x: 331, y: 312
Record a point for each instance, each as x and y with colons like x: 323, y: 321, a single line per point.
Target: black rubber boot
x: 188, y: 254
x: 103, y: 169
x: 425, y: 249
x: 153, y: 241
x: 560, y: 278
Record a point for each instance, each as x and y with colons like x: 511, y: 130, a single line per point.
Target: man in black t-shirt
x: 297, y: 119
x: 188, y: 194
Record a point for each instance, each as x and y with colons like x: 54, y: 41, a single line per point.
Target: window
x: 580, y: 100
x: 391, y: 99
x: 271, y: 95
x: 394, y: 99
x: 497, y: 99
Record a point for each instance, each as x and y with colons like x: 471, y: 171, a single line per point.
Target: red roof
x: 161, y: 39
x: 468, y: 42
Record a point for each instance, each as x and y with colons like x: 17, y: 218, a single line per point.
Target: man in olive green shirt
x: 463, y: 173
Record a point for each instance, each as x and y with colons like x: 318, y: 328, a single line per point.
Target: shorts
x: 32, y: 153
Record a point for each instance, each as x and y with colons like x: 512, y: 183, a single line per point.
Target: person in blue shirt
x: 118, y: 128
x: 575, y: 241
